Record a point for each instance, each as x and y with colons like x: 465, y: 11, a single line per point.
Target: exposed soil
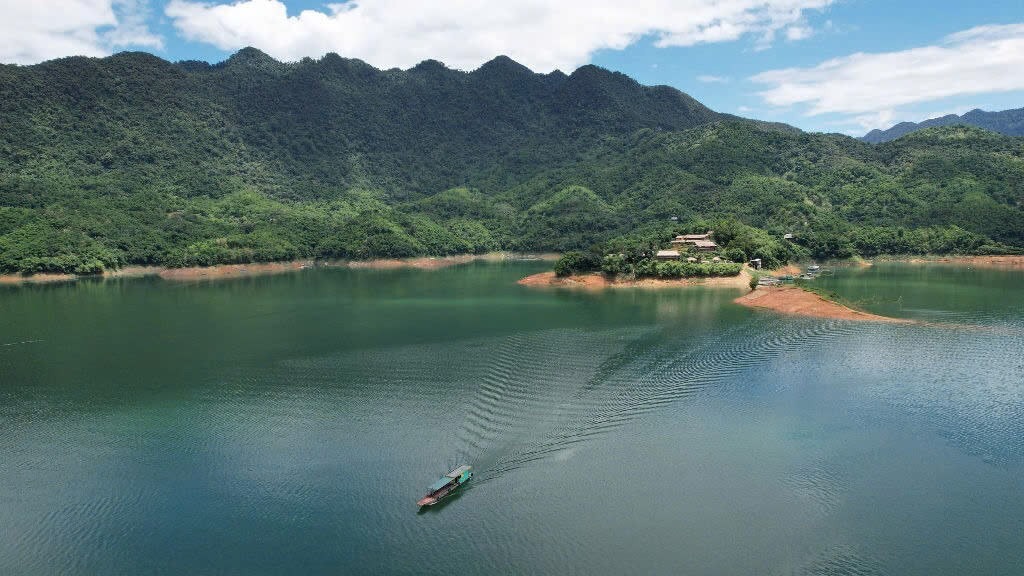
x: 998, y: 262
x: 794, y: 300
x: 36, y: 278
x: 788, y: 269
x: 265, y: 268
x: 441, y: 262
x: 233, y: 270
x: 600, y: 282
x: 134, y: 272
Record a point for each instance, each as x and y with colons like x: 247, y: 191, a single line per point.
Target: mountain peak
x: 429, y: 65
x: 503, y: 65
x: 250, y: 57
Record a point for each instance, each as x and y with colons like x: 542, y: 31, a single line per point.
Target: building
x: 699, y: 241
x: 695, y: 237
x: 667, y: 255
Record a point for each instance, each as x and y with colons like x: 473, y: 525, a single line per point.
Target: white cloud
x: 33, y: 31
x: 870, y: 88
x: 541, y: 34
x: 794, y: 33
x: 707, y: 79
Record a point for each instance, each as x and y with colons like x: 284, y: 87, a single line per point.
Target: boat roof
x: 444, y: 481
x: 459, y: 471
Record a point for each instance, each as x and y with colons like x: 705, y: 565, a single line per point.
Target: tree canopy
x: 134, y: 160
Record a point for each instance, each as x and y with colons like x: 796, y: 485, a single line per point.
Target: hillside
x: 132, y: 159
x: 1006, y: 122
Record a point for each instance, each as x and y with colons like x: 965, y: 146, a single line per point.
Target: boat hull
x: 435, y: 497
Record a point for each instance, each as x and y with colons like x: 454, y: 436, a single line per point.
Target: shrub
x: 574, y: 263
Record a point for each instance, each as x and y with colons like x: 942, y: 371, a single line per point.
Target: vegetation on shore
x: 131, y: 160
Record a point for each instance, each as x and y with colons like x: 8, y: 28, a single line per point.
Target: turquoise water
x: 288, y: 424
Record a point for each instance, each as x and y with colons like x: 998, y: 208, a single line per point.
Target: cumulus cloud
x: 870, y: 88
x: 32, y: 31
x: 541, y: 34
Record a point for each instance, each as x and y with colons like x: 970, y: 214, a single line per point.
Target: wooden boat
x: 448, y: 483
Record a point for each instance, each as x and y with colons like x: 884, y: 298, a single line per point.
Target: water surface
x: 288, y: 424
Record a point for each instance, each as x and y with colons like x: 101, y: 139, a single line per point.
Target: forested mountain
x: 132, y: 159
x: 1007, y: 122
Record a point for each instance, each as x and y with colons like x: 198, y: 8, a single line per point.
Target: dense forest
x: 134, y: 160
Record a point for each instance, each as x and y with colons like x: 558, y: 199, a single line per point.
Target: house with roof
x: 702, y: 242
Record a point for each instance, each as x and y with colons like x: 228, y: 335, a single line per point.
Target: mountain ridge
x: 131, y: 159
x: 1006, y: 122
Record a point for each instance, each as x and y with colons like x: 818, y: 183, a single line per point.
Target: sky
x: 822, y: 65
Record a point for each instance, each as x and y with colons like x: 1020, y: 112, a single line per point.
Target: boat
x: 448, y: 483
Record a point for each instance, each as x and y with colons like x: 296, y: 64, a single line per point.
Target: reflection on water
x: 290, y: 423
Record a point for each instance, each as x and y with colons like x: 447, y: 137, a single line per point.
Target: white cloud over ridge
x: 541, y: 34
x: 33, y: 31
x: 870, y: 88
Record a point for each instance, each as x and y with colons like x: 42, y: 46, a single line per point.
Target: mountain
x: 131, y: 159
x: 315, y: 126
x: 1008, y: 122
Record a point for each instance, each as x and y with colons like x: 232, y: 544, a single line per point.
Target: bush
x: 736, y: 255
x: 614, y: 264
x: 679, y: 269
x: 575, y: 263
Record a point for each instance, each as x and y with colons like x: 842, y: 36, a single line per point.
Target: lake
x: 288, y: 424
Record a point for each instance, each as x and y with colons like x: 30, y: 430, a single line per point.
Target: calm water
x: 288, y: 424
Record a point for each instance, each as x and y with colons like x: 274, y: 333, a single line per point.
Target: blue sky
x: 826, y: 65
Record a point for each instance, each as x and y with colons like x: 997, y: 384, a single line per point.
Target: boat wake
x: 546, y: 393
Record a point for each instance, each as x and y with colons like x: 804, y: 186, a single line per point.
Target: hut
x: 705, y: 245
x: 667, y: 255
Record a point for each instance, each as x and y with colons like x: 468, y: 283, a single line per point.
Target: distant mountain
x: 132, y: 159
x: 1007, y: 122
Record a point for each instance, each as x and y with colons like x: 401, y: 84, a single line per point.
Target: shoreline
x: 1009, y: 262
x: 226, y: 271
x: 596, y: 281
x: 796, y: 301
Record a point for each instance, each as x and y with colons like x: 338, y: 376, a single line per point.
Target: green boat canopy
x: 441, y: 484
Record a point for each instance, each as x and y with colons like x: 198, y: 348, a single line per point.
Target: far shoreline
x: 227, y: 271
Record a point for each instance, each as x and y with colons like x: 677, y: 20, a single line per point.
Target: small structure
x: 667, y: 255
x: 695, y: 237
x: 755, y: 263
x: 705, y: 245
x: 716, y: 259
x: 691, y: 259
x: 788, y: 237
